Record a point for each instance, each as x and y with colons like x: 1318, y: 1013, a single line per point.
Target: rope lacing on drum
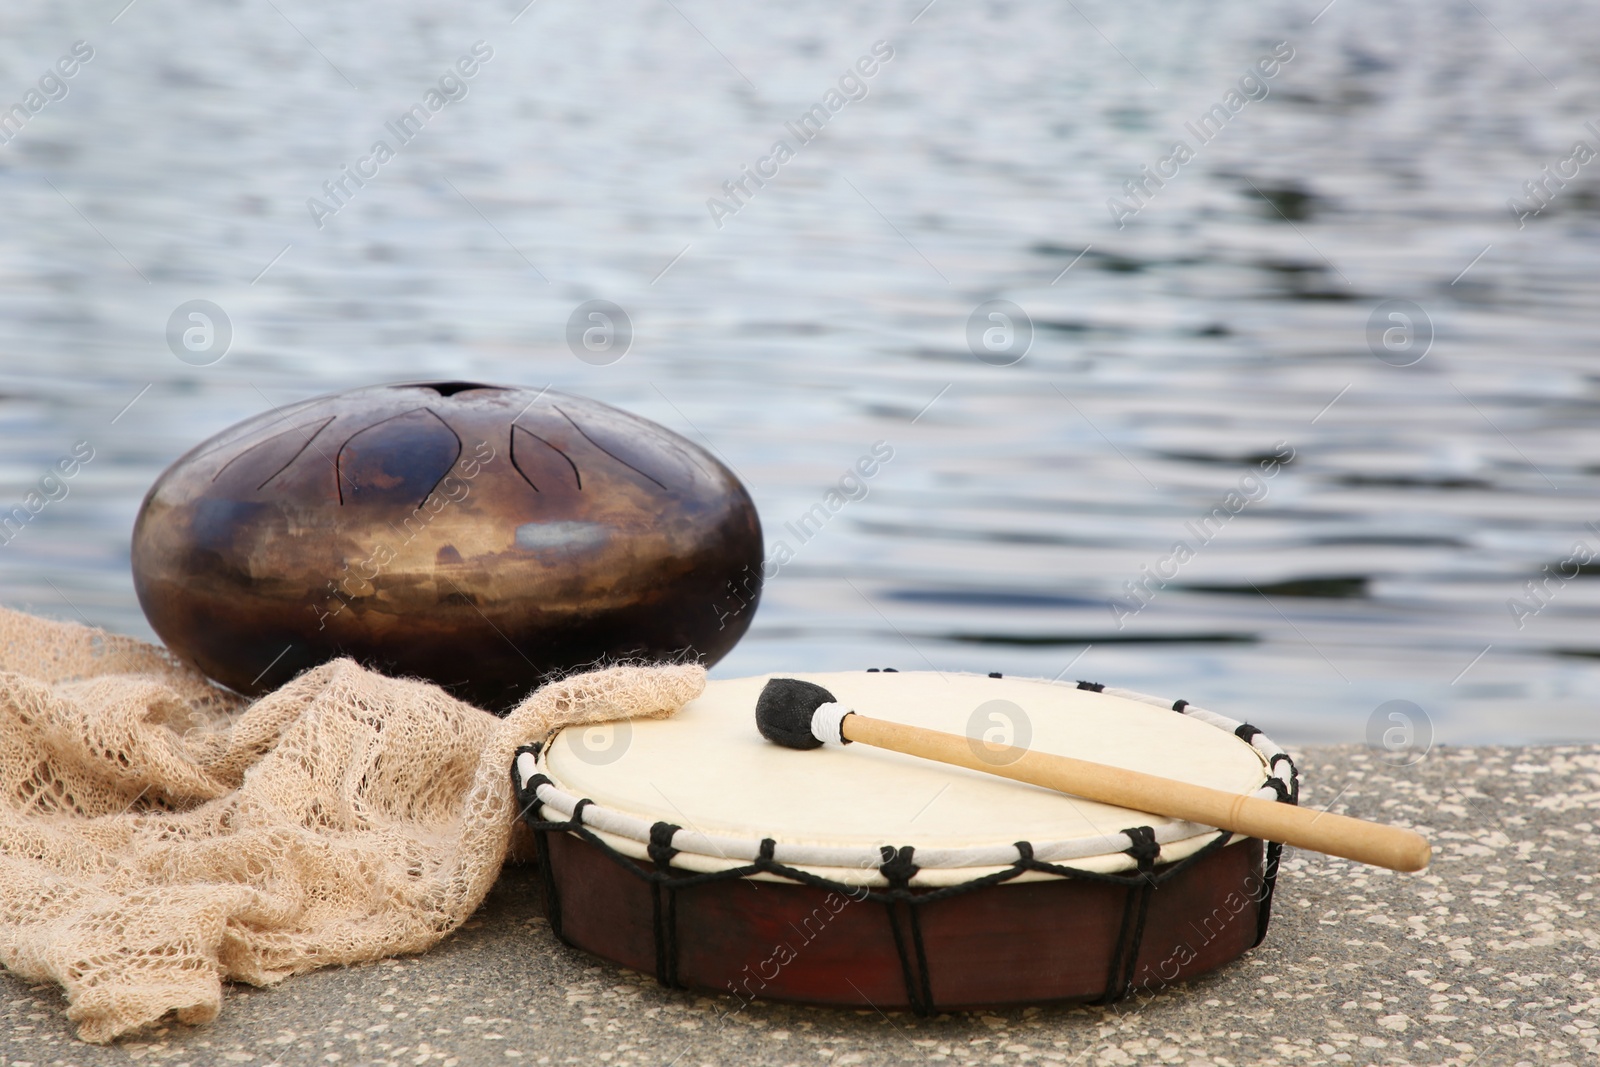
x: 1287, y: 794
x: 528, y: 801
x: 898, y: 897
x: 660, y: 848
x: 1287, y: 790
x: 1135, y: 909
x: 1278, y: 788
x: 898, y: 868
x: 664, y: 904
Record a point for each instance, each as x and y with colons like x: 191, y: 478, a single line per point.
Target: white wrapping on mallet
x: 827, y: 723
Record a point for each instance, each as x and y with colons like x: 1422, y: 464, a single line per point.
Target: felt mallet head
x: 784, y: 712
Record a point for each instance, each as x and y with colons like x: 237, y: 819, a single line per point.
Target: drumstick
x: 800, y: 714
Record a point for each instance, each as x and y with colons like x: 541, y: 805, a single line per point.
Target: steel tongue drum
x: 482, y: 537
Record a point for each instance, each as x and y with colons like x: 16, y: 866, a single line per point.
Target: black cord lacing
x: 898, y: 868
x: 1135, y: 908
x: 664, y: 904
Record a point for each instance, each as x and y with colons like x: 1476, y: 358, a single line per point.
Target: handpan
x: 692, y: 849
x: 483, y: 537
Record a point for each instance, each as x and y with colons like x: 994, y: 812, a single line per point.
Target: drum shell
x: 1054, y: 939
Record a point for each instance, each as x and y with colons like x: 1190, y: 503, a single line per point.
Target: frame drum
x: 692, y: 849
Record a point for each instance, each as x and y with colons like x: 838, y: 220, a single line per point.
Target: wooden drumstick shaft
x: 1320, y: 831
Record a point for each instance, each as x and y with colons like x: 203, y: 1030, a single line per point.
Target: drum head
x: 707, y: 770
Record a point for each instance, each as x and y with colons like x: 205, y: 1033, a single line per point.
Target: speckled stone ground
x: 1492, y: 957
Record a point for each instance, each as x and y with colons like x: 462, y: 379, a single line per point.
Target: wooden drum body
x: 691, y: 849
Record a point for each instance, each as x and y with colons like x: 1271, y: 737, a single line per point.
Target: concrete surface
x: 1492, y: 957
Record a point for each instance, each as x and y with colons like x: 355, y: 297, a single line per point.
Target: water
x: 1225, y: 321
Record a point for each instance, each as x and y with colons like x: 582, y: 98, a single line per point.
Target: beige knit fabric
x: 159, y: 835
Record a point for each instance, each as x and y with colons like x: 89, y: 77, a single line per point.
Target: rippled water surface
x: 1222, y: 327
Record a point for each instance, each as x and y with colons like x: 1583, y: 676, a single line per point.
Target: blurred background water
x: 1226, y: 320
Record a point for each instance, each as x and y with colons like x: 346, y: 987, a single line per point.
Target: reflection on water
x: 1223, y: 326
